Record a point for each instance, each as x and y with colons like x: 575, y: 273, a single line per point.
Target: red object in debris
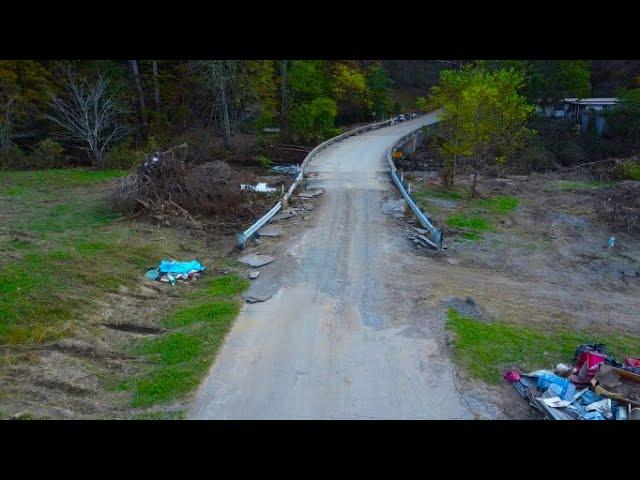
x: 632, y: 362
x: 592, y: 360
x: 511, y: 376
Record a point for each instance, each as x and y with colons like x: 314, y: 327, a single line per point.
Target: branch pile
x: 168, y: 184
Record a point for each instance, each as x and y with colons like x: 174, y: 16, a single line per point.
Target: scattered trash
x: 563, y: 370
x: 256, y: 260
x: 512, y: 376
x: 253, y: 275
x: 260, y: 187
x: 169, y: 271
x: 612, y: 242
x: 270, y: 231
x: 596, y: 387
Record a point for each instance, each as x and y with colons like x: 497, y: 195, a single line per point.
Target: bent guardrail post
x: 242, y: 237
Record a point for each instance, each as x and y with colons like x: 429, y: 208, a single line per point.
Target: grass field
x: 62, y: 252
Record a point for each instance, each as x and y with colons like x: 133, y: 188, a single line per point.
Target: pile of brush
x: 170, y: 184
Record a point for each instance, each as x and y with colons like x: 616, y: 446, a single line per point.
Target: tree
x: 484, y: 116
x: 624, y: 119
x: 548, y: 81
x: 133, y: 65
x: 89, y: 115
x: 314, y: 120
x: 156, y: 84
x: 22, y: 100
x: 379, y: 83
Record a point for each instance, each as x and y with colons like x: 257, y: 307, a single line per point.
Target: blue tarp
x: 173, y: 270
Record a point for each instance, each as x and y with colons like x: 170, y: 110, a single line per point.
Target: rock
x: 257, y: 298
x: 256, y: 260
x: 253, y: 275
x: 270, y: 231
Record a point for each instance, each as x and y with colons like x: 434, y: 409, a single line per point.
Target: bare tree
x: 156, y: 84
x: 220, y: 76
x: 89, y: 115
x: 133, y: 64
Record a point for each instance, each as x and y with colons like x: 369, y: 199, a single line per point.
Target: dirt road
x: 341, y: 338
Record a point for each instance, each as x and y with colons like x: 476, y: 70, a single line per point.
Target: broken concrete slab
x: 253, y: 275
x: 286, y: 213
x: 256, y: 260
x: 270, y: 231
x: 257, y: 298
x: 312, y: 193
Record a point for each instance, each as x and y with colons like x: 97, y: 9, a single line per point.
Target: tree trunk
x: 143, y: 111
x: 284, y: 99
x: 225, y: 117
x: 156, y: 84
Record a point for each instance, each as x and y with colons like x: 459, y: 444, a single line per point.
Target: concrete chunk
x: 270, y: 231
x: 256, y: 260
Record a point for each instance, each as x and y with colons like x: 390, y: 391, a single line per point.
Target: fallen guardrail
x: 424, y: 219
x: 245, y: 235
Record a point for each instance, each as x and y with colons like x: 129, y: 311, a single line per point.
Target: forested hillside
x: 59, y: 113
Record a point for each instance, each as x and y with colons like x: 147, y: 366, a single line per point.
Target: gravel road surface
x: 340, y: 338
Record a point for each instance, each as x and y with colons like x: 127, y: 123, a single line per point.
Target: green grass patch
x: 474, y: 223
x: 17, y: 183
x: 498, y: 204
x: 487, y: 349
x: 170, y: 415
x: 573, y: 185
x: 179, y: 359
x: 481, y: 215
x: 225, y: 286
x: 76, y: 256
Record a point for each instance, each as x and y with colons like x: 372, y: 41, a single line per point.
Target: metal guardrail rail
x: 424, y: 219
x: 245, y: 235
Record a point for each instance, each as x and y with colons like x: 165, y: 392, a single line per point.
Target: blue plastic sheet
x: 172, y: 266
x: 172, y: 270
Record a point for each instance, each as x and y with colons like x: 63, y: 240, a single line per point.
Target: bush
x: 534, y: 158
x: 314, y: 121
x: 13, y: 158
x: 629, y: 171
x: 122, y: 157
x: 47, y: 153
x: 264, y: 161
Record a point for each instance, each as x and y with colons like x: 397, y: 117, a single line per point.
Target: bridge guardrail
x: 424, y: 219
x: 245, y: 235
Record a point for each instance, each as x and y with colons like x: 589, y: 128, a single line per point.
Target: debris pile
x: 171, y: 183
x: 596, y: 387
x: 170, y: 271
